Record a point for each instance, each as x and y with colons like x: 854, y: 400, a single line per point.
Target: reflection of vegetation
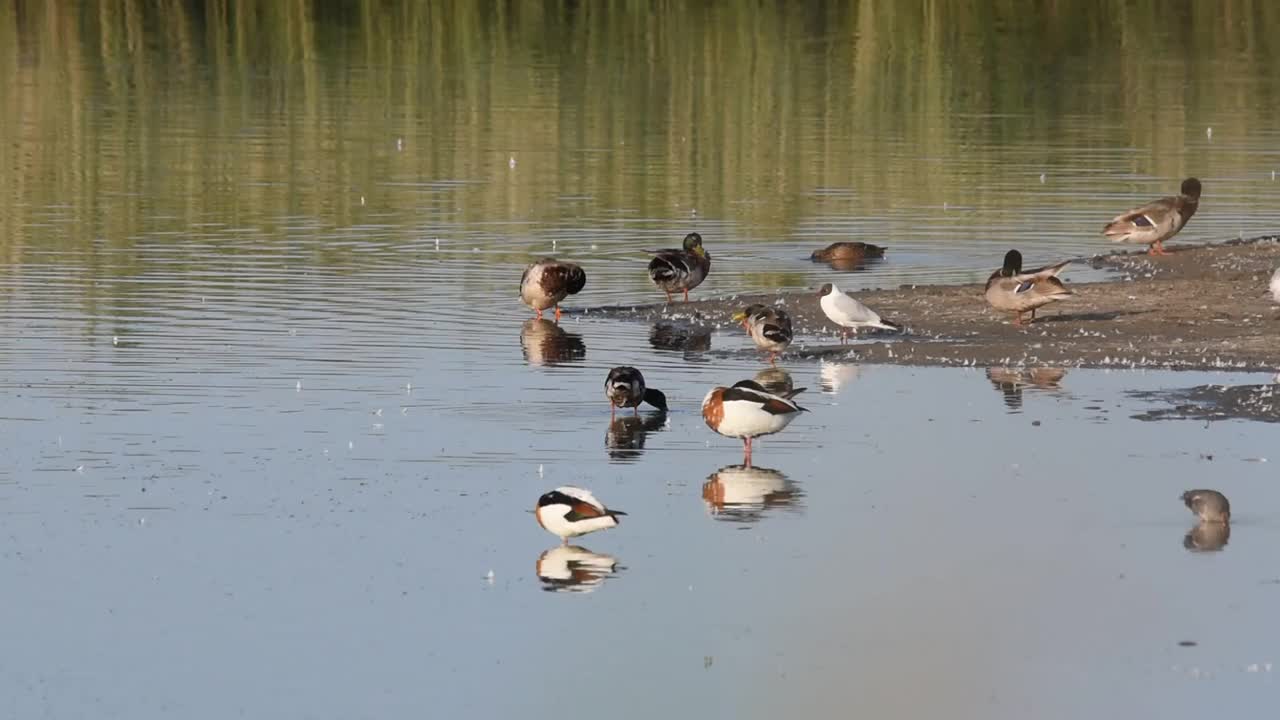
x: 134, y: 117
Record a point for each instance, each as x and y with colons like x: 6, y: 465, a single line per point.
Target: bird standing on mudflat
x: 680, y: 270
x: 850, y: 314
x: 625, y: 388
x: 1012, y: 268
x: 570, y: 511
x: 748, y: 411
x: 1156, y: 221
x: 769, y: 327
x: 548, y: 281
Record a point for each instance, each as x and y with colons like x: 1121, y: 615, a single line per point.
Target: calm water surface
x: 273, y: 412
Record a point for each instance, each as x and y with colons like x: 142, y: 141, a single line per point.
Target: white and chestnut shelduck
x: 570, y: 511
x: 1156, y: 221
x: 748, y: 411
x: 850, y: 314
x: 625, y: 388
x: 548, y: 281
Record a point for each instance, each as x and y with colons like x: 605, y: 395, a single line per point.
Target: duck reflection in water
x: 1011, y: 382
x: 546, y: 343
x: 575, y: 569
x: 738, y: 493
x: 835, y: 375
x: 626, y: 435
x: 775, y: 380
x: 1213, y: 511
x: 691, y: 340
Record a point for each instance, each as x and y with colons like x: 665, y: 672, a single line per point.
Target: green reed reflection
x: 135, y: 117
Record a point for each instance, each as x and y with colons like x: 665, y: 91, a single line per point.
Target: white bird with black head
x: 570, y: 511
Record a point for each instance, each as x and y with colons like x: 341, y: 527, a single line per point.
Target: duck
x: 1156, y: 221
x: 625, y: 387
x: 680, y: 270
x: 769, y: 327
x: 1019, y: 293
x: 1012, y: 267
x: 570, y: 511
x: 847, y: 251
x: 548, y: 281
x: 850, y: 314
x: 746, y: 410
x: 1210, y: 506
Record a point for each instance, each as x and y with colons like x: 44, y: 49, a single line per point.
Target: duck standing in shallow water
x: 570, y: 511
x: 1210, y: 506
x: 548, y: 281
x: 769, y: 327
x: 1156, y: 221
x: 680, y: 270
x: 748, y: 411
x: 850, y: 314
x: 625, y: 388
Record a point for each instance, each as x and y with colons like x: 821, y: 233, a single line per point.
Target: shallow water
x: 273, y: 411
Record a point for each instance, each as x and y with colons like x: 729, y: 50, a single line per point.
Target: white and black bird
x: 850, y: 314
x: 625, y: 388
x: 680, y: 270
x: 769, y: 327
x: 570, y: 511
x: 748, y: 411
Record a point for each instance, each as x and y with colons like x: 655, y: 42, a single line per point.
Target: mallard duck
x: 1021, y: 293
x: 548, y: 281
x: 680, y: 270
x: 570, y: 511
x: 850, y: 314
x: 1012, y: 267
x: 769, y: 327
x: 847, y: 251
x: 625, y: 388
x: 1210, y: 505
x: 1157, y: 221
x: 748, y: 411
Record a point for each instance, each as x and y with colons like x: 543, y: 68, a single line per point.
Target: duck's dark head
x: 577, y: 280
x: 1012, y: 264
x: 693, y: 244
x: 1191, y: 188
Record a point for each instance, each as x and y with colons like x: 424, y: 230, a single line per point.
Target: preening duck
x: 1210, y: 506
x: 850, y: 314
x: 748, y: 411
x: 769, y: 327
x: 1020, y: 293
x: 1012, y: 267
x: 548, y: 281
x: 570, y: 511
x: 1156, y: 221
x: 680, y: 270
x: 625, y: 388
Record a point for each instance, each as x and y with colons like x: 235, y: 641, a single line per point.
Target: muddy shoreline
x: 1202, y: 307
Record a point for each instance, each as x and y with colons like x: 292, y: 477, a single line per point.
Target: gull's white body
x: 847, y: 312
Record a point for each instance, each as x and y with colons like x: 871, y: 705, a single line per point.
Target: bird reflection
x: 1010, y: 382
x: 738, y: 493
x: 853, y: 264
x: 625, y: 437
x: 546, y: 343
x: 775, y: 380
x: 685, y: 338
x: 570, y: 568
x: 834, y: 375
x: 1207, y: 537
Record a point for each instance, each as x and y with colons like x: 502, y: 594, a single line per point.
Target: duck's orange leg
x: 537, y: 312
x: 1017, y: 319
x: 557, y: 313
x: 773, y: 359
x: 668, y: 297
x: 686, y: 295
x: 1157, y: 248
x: 746, y: 458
